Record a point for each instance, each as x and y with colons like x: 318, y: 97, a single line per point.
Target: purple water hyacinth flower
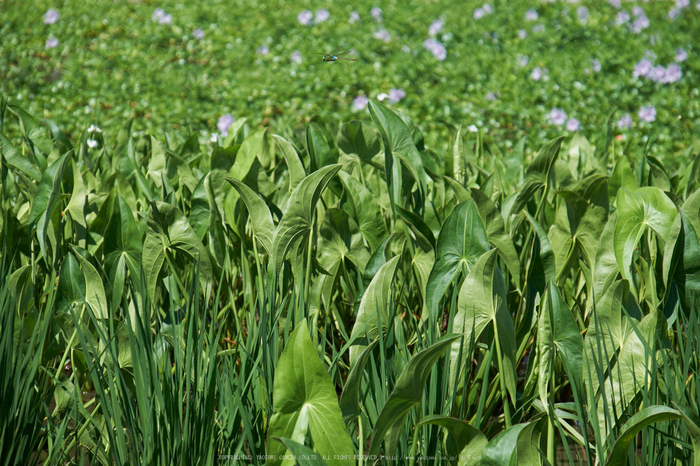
x: 538, y: 28
x: 360, y: 102
x: 522, y: 60
x: 615, y: 3
x: 354, y: 17
x: 622, y: 18
x: 436, y: 48
x: 697, y: 6
x: 51, y: 16
x: 557, y: 116
x: 395, y: 95
x: 296, y: 56
x: 582, y: 13
x: 573, y: 125
x: 491, y: 96
x: 262, y: 50
x: 596, y: 65
x: 383, y: 35
x: 638, y: 11
x: 531, y: 15
x: 538, y: 73
x: 659, y: 74
x: 625, y: 122
x: 322, y: 15
x: 640, y: 24
x: 435, y: 27
x: 305, y: 18
x: 51, y: 42
x: 198, y: 34
x: 682, y: 3
x: 225, y: 121
x: 479, y: 13
x: 673, y: 13
x: 647, y: 113
x: 487, y: 8
x: 673, y: 73
x: 161, y: 17
x: 643, y: 68
x: 376, y: 13
x: 522, y: 34
x: 681, y: 55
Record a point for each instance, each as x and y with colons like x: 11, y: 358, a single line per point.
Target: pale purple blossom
x: 376, y: 13
x: 522, y: 34
x: 682, y: 3
x: 322, y: 15
x: 647, y: 113
x: 625, y: 122
x: 539, y: 73
x: 673, y: 13
x: 360, y: 102
x: 673, y: 73
x: 582, y: 13
x: 405, y: 49
x: 436, y: 48
x: 225, y: 121
x: 615, y: 3
x: 383, y: 35
x: 640, y: 24
x: 638, y: 11
x: 51, y: 16
x: 491, y: 96
x: 659, y: 74
x: 622, y: 18
x: 395, y: 95
x: 538, y: 28
x: 161, y: 17
x: 305, y: 18
x: 262, y: 50
x: 681, y: 55
x: 198, y: 34
x: 435, y: 27
x: 472, y: 129
x: 51, y: 42
x: 296, y: 56
x: 596, y: 65
x: 91, y: 143
x: 697, y: 6
x: 557, y: 116
x: 643, y: 68
x: 487, y: 8
x: 354, y: 17
x: 573, y: 125
x: 531, y: 15
x: 479, y: 13
x: 522, y: 60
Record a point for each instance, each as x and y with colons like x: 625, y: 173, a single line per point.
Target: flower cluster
x: 435, y: 27
x: 382, y: 35
x: 559, y: 117
x: 161, y: 17
x: 646, y: 69
x: 436, y: 48
x: 394, y: 95
x: 360, y: 102
x: 224, y: 123
x: 539, y: 74
x: 51, y: 17
x: 482, y: 11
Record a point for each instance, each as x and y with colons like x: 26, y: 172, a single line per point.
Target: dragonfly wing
x: 336, y: 51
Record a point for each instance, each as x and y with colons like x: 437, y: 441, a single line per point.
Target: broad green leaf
x: 365, y: 211
x: 358, y: 141
x: 251, y: 147
x: 319, y: 149
x: 645, y: 208
x: 464, y: 443
x: 76, y: 205
x: 558, y: 336
x: 421, y: 231
x: 463, y: 239
x: 258, y: 212
x: 496, y: 231
x: 169, y: 232
x: 234, y: 133
x: 681, y: 272
x: 542, y: 268
x: 71, y: 285
x: 483, y: 301
x: 528, y: 453
x: 537, y: 175
x: 304, y: 456
x: 501, y: 450
x: 350, y: 398
x: 35, y: 133
x: 95, y: 295
x: 633, y: 426
x: 297, y: 221
x: 622, y: 177
x: 16, y: 160
x: 374, y: 302
x: 340, y: 239
x: 305, y: 402
x: 606, y: 269
x: 294, y: 165
x: 407, y: 393
x: 122, y: 248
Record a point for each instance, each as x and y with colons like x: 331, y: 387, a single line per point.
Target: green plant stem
x: 501, y: 379
x: 360, y: 442
x: 414, y: 447
x: 551, y: 456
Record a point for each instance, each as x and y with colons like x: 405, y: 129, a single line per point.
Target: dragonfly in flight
x: 333, y: 56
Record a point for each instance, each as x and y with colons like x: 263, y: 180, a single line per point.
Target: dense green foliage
x: 355, y: 293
